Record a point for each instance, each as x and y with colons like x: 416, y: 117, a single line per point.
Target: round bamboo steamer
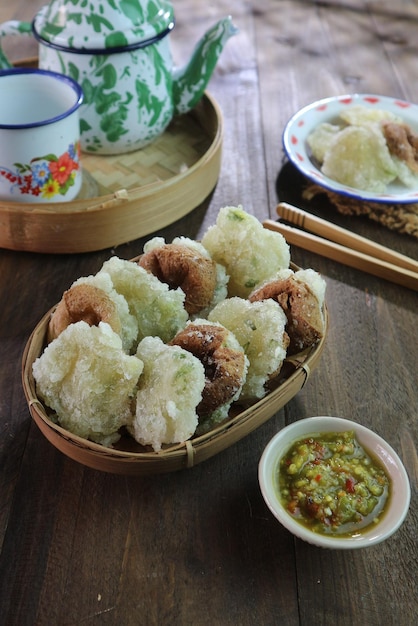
x: 127, y: 196
x: 131, y: 458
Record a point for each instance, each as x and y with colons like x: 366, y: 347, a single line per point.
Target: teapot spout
x: 190, y: 81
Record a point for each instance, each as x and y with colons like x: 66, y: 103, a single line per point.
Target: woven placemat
x: 402, y: 218
x: 176, y: 150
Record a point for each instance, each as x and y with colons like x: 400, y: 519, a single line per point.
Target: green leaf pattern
x: 190, y: 81
x: 98, y: 16
x: 127, y: 96
x: 12, y: 27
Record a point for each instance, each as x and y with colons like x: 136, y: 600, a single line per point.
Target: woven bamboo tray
x: 133, y: 459
x: 124, y: 197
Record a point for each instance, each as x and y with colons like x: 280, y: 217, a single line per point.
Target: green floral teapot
x: 118, y: 51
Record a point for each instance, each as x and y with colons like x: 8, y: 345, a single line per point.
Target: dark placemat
x: 294, y: 188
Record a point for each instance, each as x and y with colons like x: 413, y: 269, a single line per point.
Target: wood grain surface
x: 199, y: 546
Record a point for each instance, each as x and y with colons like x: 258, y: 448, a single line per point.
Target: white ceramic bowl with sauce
x: 400, y: 493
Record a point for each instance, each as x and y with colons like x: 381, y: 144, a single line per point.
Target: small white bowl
x: 400, y: 489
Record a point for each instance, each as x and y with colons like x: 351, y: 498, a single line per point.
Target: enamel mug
x: 39, y: 136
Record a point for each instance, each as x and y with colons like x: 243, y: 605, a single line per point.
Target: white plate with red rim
x: 327, y: 110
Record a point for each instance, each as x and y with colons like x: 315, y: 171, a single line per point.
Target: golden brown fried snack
x: 86, y: 303
x: 223, y: 360
x: 181, y: 266
x: 402, y: 143
x: 305, y: 324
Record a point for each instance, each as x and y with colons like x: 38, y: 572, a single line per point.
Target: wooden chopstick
x: 335, y: 233
x: 346, y: 256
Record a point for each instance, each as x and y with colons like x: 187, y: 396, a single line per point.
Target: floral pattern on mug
x: 45, y: 176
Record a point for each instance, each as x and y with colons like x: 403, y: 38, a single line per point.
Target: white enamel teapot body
x: 119, y: 53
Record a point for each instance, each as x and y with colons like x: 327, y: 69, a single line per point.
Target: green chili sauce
x: 331, y: 485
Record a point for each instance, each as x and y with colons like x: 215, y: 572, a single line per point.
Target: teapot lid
x: 103, y: 24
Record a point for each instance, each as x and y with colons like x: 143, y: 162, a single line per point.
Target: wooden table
x: 199, y: 546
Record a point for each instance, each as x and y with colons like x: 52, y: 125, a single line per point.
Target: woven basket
x: 130, y: 457
x: 125, y: 196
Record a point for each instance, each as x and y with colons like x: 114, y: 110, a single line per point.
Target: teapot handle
x: 12, y: 27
